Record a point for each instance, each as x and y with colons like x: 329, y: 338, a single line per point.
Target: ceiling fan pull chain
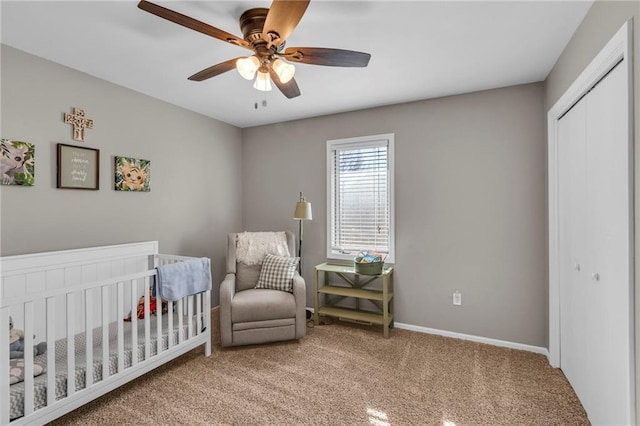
x: 263, y: 102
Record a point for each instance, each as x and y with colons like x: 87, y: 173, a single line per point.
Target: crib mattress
x: 40, y: 382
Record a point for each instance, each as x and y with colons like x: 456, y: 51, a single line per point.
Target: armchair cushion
x: 277, y: 272
x: 247, y: 276
x: 261, y: 305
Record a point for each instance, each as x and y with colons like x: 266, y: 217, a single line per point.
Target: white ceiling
x: 419, y: 50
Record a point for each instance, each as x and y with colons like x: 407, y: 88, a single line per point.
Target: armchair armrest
x: 227, y: 291
x: 300, y: 294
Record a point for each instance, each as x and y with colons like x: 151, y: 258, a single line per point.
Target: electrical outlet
x: 457, y: 298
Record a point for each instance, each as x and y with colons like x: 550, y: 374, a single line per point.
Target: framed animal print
x: 132, y: 174
x: 17, y: 163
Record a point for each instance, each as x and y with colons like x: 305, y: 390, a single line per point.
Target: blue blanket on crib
x: 177, y: 280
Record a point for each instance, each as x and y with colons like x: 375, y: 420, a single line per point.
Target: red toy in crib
x: 153, y: 306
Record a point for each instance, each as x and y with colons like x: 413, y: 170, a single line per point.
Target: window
x: 360, y: 196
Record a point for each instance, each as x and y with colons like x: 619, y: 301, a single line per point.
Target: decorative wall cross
x: 79, y: 123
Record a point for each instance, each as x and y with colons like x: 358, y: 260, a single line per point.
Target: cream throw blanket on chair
x: 252, y: 247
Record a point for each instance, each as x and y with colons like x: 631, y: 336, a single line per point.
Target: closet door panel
x: 608, y: 221
x: 574, y: 312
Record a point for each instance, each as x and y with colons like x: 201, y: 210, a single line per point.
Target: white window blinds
x: 360, y: 196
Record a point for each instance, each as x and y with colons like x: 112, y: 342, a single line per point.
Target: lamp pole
x: 300, y: 231
x: 302, y: 213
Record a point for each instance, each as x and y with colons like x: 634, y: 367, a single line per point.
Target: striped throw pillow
x: 277, y: 272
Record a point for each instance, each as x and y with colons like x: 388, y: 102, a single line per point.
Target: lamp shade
x: 303, y: 211
x: 284, y: 70
x: 247, y: 67
x: 263, y: 82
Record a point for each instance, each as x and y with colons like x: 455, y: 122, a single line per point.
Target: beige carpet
x: 342, y: 374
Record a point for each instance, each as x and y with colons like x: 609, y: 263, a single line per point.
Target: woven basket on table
x: 369, y: 268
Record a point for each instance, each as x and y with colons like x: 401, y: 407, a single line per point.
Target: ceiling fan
x: 265, y: 32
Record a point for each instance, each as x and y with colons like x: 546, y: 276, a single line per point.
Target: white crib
x: 85, y: 294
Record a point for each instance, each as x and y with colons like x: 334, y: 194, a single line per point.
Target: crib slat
x: 147, y: 322
x: 198, y: 313
x: 88, y: 333
x: 51, y: 350
x: 207, y: 321
x: 190, y: 311
x: 134, y: 322
x: 4, y: 367
x: 71, y: 352
x: 28, y: 358
x: 120, y: 315
x: 180, y: 323
x: 170, y: 330
x: 158, y: 323
x: 105, y: 332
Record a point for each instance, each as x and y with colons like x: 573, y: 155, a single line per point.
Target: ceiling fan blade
x: 328, y: 57
x: 217, y: 69
x: 191, y: 23
x: 289, y: 89
x: 282, y: 19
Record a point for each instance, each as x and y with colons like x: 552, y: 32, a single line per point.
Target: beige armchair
x: 249, y: 315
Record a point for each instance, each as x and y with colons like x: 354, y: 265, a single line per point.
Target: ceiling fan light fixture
x: 265, y: 33
x: 247, y: 67
x: 263, y: 82
x: 284, y: 70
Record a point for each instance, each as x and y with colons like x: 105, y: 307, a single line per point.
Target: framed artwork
x: 78, y: 168
x: 132, y: 174
x: 17, y: 163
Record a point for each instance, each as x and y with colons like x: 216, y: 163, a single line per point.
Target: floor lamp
x: 302, y: 213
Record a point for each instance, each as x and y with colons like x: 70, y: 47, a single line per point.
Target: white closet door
x: 609, y: 247
x: 595, y: 248
x: 574, y: 311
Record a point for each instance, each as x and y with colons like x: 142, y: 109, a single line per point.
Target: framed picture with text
x: 78, y: 167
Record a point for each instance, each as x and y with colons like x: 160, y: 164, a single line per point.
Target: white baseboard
x: 486, y: 340
x: 478, y: 339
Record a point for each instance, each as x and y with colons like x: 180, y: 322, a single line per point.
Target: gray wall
x: 195, y: 167
x: 470, y: 182
x: 470, y: 196
x: 597, y: 28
